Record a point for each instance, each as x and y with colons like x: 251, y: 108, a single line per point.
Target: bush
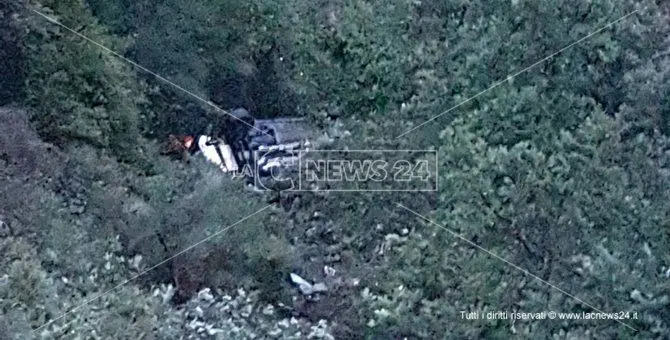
x: 12, y: 57
x: 78, y: 91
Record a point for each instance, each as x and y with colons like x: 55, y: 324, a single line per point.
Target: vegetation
x: 553, y: 172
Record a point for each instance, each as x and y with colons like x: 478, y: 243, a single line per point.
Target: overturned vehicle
x: 254, y: 149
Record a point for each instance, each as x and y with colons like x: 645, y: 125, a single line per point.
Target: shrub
x: 12, y: 57
x: 78, y: 91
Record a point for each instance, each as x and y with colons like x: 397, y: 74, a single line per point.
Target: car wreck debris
x: 307, y: 288
x: 247, y: 146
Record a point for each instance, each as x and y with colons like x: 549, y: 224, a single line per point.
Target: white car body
x: 218, y: 152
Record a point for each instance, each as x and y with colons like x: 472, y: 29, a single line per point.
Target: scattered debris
x: 319, y: 287
x: 307, y: 288
x: 303, y: 285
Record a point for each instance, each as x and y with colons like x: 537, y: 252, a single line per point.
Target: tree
x: 554, y: 171
x: 11, y: 51
x: 78, y: 91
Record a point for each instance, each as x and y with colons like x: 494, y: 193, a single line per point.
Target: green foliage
x: 560, y: 170
x: 362, y: 49
x: 558, y: 213
x: 32, y: 297
x: 409, y: 61
x: 223, y: 51
x: 27, y: 287
x: 78, y: 91
x: 538, y: 172
x: 11, y: 51
x: 114, y: 15
x: 162, y: 215
x: 221, y: 207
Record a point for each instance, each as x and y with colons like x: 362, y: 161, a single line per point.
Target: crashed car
x: 249, y: 147
x: 278, y: 143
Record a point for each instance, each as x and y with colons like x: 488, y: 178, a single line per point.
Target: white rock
x: 135, y: 262
x: 205, y: 294
x: 392, y: 238
x: 165, y: 292
x: 329, y: 271
x: 212, y: 331
x: 383, y: 313
x: 636, y: 295
x: 4, y: 229
x: 246, y: 311
x: 269, y: 310
x: 199, y: 311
